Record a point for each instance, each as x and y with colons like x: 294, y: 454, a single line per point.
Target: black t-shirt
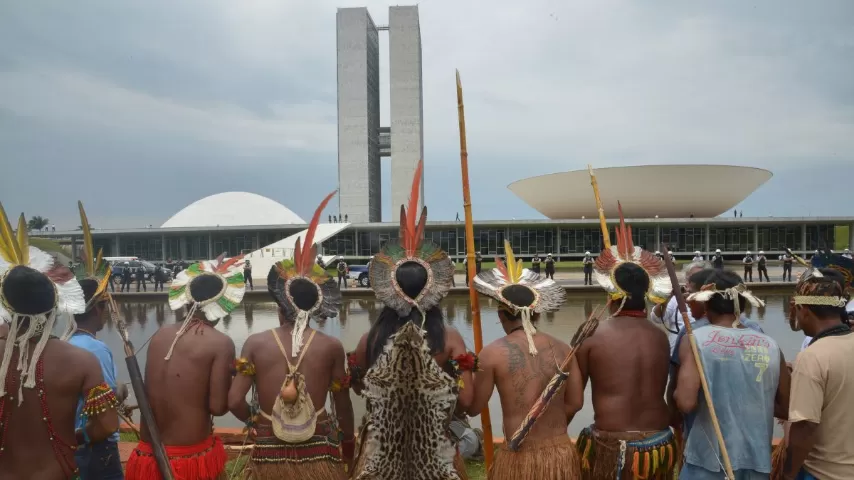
x: 718, y: 261
x: 761, y: 260
x: 787, y: 259
x: 342, y: 267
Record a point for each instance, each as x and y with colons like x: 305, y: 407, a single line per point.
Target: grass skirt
x: 205, y: 461
x: 550, y: 458
x: 627, y: 455
x: 317, y: 459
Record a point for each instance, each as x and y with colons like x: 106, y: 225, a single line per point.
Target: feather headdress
x: 91, y: 266
x: 301, y: 287
x: 807, y: 293
x: 25, y: 322
x: 411, y: 248
x: 216, y: 287
x: 707, y: 292
x: 626, y: 252
x: 520, y: 290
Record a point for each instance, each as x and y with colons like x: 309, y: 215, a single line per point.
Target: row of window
x: 490, y: 241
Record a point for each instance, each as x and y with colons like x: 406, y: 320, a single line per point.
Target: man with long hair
x: 41, y: 377
x: 521, y: 364
x: 820, y: 444
x: 188, y: 374
x: 747, y: 379
x: 626, y: 362
x: 416, y: 370
x: 291, y: 371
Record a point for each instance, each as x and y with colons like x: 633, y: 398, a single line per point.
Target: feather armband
x: 338, y: 385
x: 467, y: 362
x: 355, y: 371
x: 244, y: 367
x: 100, y: 399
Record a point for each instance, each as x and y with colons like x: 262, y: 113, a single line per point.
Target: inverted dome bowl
x: 669, y: 191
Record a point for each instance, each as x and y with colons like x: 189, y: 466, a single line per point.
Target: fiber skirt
x: 627, y: 455
x: 550, y: 458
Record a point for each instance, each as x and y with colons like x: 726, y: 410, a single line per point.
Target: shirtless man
x: 38, y: 443
x: 521, y: 365
x: 627, y: 363
x: 187, y: 375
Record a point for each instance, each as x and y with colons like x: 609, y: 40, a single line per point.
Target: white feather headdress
x: 15, y: 252
x: 546, y: 294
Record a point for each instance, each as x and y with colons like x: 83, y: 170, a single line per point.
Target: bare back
x: 186, y: 391
x: 28, y: 452
x: 318, y: 366
x: 521, y: 377
x: 627, y: 361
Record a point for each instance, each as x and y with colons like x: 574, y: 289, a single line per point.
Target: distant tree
x: 80, y: 227
x: 37, y: 223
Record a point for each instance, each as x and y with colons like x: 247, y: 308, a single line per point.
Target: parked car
x: 359, y: 274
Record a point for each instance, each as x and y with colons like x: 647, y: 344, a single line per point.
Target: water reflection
x: 144, y: 318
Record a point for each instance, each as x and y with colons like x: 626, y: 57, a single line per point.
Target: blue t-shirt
x: 108, y: 367
x: 674, y: 357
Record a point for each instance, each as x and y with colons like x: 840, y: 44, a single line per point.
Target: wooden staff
x: 606, y: 236
x: 136, y: 381
x: 683, y: 309
x: 486, y: 424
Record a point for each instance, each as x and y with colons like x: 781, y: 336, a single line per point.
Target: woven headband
x: 820, y: 301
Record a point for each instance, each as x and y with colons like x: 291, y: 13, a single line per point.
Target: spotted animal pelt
x: 410, y: 400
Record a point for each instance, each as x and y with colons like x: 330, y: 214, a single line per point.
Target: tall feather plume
x: 624, y: 237
x: 23, y: 240
x: 88, y: 249
x: 409, y: 230
x: 223, y: 267
x: 9, y: 247
x: 514, y: 268
x: 306, y: 258
x: 502, y: 268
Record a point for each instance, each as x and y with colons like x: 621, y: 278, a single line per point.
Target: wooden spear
x: 689, y: 331
x: 138, y: 386
x: 486, y: 424
x: 606, y: 236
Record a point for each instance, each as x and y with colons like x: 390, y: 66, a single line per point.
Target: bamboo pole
x: 606, y: 236
x: 486, y: 423
x: 689, y: 330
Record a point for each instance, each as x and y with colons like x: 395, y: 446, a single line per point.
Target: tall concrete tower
x: 359, y: 169
x: 361, y: 140
x: 407, y: 103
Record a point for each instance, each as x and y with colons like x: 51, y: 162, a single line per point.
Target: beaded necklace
x: 60, y: 447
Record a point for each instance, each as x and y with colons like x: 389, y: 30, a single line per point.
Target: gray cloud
x: 143, y: 107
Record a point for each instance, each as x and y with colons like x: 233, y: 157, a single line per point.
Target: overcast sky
x: 139, y: 108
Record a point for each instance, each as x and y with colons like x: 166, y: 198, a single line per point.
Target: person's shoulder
x: 328, y: 341
x: 76, y: 355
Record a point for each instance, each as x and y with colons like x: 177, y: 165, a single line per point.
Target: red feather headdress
x: 625, y: 251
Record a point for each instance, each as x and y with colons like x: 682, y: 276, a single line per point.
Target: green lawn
x: 476, y: 470
x: 842, y: 237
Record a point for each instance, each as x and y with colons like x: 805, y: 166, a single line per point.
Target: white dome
x: 232, y: 209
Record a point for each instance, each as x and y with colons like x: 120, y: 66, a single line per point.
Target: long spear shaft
x: 136, y: 381
x: 689, y: 330
x: 606, y: 236
x: 486, y: 424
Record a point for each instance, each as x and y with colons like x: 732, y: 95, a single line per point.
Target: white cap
x: 718, y: 250
x: 587, y: 252
x: 761, y: 252
x: 748, y: 252
x: 697, y: 252
x: 657, y: 252
x: 847, y: 251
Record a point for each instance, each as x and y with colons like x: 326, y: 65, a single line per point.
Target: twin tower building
x: 362, y: 141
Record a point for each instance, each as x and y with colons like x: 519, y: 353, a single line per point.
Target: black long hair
x: 412, y: 278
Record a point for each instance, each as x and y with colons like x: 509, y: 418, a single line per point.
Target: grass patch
x: 476, y: 470
x: 237, y: 465
x: 49, y: 246
x: 129, y: 437
x: 842, y: 235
